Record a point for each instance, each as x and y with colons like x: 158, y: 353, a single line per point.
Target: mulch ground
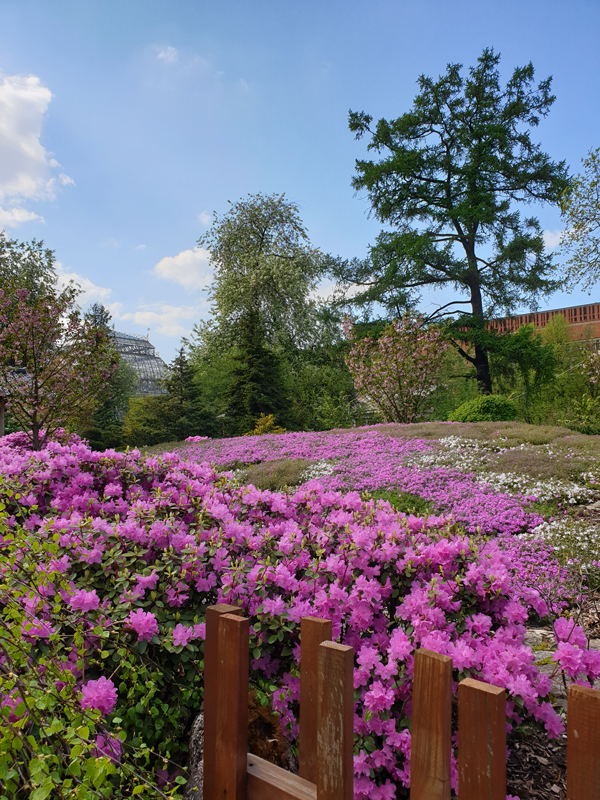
x: 537, y: 766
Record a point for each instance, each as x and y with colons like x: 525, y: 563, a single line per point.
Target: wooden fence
x: 326, y: 725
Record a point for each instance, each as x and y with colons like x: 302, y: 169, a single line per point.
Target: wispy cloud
x: 168, y: 55
x: 11, y: 217
x: 164, y: 318
x: 91, y: 292
x: 552, y: 239
x: 190, y: 268
x: 25, y: 165
x: 205, y: 218
x: 140, y: 247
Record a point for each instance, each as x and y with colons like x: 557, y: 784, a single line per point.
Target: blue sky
x: 125, y: 123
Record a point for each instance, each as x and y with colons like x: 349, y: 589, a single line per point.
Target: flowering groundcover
x: 109, y: 561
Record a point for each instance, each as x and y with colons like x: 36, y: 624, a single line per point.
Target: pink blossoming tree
x: 53, y: 363
x: 398, y: 371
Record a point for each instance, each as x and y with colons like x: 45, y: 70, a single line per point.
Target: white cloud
x: 11, y: 217
x: 64, y: 180
x: 552, y: 239
x: 190, y: 268
x: 326, y: 289
x: 140, y: 247
x: 243, y: 84
x: 205, y: 218
x: 164, y: 318
x: 90, y: 294
x: 167, y: 54
x: 25, y: 165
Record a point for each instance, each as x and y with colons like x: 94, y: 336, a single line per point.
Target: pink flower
x: 109, y: 747
x: 570, y: 658
x: 143, y: 623
x: 378, y: 697
x: 182, y: 634
x: 100, y: 694
x: 200, y: 630
x: 567, y: 631
x: 275, y: 606
x: 85, y: 601
x: 147, y: 581
x: 400, y: 645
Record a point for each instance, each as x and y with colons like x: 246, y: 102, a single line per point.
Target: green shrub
x: 487, y: 408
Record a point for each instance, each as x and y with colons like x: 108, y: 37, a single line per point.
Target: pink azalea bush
x: 118, y: 680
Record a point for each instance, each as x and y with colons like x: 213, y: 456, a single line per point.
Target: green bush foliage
x: 487, y: 408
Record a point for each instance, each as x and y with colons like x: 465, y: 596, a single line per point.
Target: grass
x: 402, y: 501
x: 276, y: 475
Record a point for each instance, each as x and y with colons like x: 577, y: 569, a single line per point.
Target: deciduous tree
x: 397, y: 372
x: 53, y: 364
x: 581, y: 213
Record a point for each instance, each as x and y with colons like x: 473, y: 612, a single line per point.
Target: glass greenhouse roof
x: 141, y: 355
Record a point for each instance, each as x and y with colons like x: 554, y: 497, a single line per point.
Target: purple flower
x: 143, y: 623
x: 107, y: 746
x: 100, y: 694
x: 85, y: 601
x: 147, y: 581
x: 182, y: 635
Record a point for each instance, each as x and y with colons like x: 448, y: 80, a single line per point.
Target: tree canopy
x: 26, y: 265
x: 54, y: 365
x: 263, y: 262
x: 450, y: 172
x: 581, y: 213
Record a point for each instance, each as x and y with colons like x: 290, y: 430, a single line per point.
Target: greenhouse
x: 141, y: 355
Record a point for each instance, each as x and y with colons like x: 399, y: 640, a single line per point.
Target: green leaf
x: 42, y: 792
x: 139, y: 789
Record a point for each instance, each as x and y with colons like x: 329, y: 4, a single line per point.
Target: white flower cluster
x: 577, y: 541
x: 319, y: 469
x: 543, y: 490
x: 465, y: 455
x: 471, y: 455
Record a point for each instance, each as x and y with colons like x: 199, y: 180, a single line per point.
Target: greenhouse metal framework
x: 141, y: 355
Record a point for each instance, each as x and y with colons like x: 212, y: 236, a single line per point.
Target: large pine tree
x: 446, y: 182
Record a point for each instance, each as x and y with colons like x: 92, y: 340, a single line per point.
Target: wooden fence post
x: 431, y: 727
x: 481, y: 741
x: 583, y: 743
x: 212, y: 678
x: 335, y: 723
x: 313, y: 631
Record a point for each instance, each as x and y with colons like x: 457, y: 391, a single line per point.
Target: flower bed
x: 109, y: 561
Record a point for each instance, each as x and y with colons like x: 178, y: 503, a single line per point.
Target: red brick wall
x: 583, y: 320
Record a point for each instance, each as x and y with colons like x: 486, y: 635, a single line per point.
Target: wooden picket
x: 326, y: 725
x: 326, y: 685
x: 583, y: 743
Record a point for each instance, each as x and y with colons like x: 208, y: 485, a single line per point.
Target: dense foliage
x: 488, y: 408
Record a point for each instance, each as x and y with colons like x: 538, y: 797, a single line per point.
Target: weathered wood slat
x: 583, y: 743
x: 431, y: 727
x: 269, y: 782
x: 335, y: 730
x: 211, y: 679
x: 481, y: 741
x: 313, y: 631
